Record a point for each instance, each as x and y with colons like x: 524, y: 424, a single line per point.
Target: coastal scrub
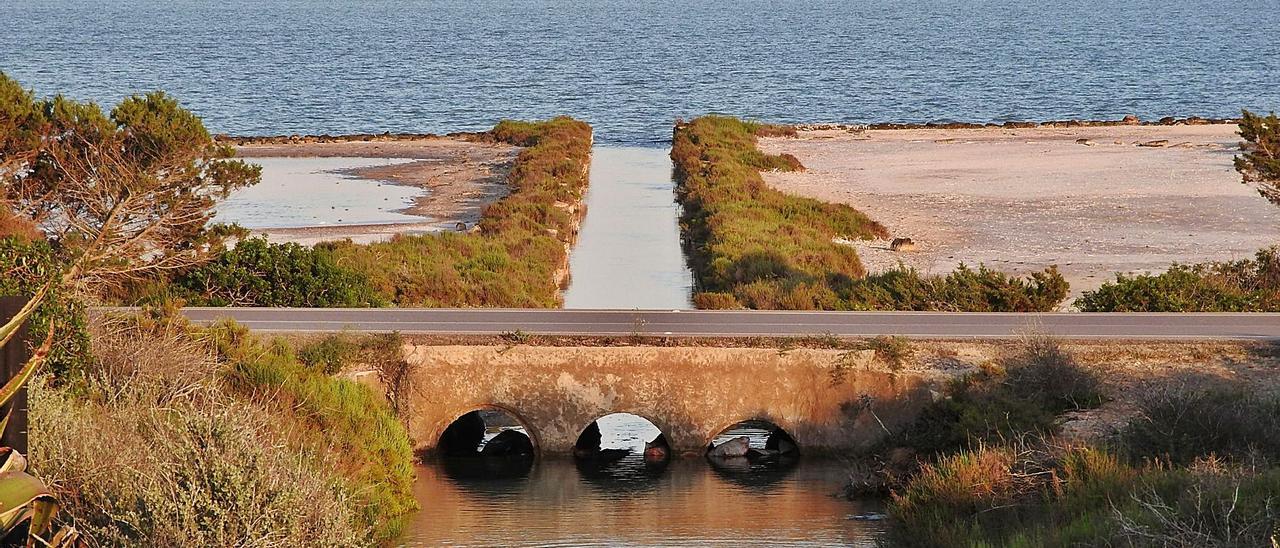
x: 183, y: 436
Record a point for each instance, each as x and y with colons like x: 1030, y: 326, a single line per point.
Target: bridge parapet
x: 690, y: 393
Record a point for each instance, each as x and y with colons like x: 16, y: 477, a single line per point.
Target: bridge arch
x: 623, y: 433
x: 467, y: 429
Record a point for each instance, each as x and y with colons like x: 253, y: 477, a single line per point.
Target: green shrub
x: 521, y: 245
x: 963, y: 290
x: 1038, y: 494
x: 355, y: 424
x: 25, y: 266
x: 1250, y: 285
x: 152, y: 450
x: 755, y: 247
x: 258, y: 273
x: 1032, y: 385
x: 1259, y: 161
x: 330, y: 353
x: 708, y: 300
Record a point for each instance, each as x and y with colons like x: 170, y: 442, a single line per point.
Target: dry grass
x: 151, y: 451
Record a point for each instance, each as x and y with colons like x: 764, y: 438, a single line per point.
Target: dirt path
x: 1092, y: 200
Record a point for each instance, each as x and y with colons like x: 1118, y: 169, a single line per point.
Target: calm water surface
x: 558, y: 502
x: 632, y: 66
x: 687, y: 503
x: 628, y: 253
x: 298, y: 192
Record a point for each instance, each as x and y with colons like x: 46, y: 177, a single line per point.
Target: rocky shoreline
x: 1126, y: 121
x: 240, y: 140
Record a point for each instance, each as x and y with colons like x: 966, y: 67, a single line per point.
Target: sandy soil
x: 1093, y: 200
x: 460, y: 177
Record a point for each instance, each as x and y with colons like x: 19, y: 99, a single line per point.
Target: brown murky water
x: 688, y: 502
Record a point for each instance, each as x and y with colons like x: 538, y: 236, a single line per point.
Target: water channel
x: 628, y: 253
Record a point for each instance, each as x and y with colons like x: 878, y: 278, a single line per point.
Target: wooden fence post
x: 12, y: 358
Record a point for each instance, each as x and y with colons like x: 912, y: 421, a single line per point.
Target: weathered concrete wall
x: 691, y: 394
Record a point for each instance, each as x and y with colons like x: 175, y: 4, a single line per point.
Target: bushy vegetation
x: 1197, y: 467
x: 1180, y: 423
x: 212, y: 436
x: 523, y: 238
x: 1249, y: 285
x: 346, y: 420
x: 258, y: 273
x: 1259, y: 161
x: 26, y: 266
x: 1040, y: 493
x: 754, y: 247
x: 1022, y: 394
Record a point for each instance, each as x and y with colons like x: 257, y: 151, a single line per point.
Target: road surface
x: 689, y: 323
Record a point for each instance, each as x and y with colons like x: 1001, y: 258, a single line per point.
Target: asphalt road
x: 688, y: 323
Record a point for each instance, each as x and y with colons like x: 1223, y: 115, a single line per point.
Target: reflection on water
x: 628, y: 252
x: 686, y: 502
x: 304, y: 192
x: 566, y: 502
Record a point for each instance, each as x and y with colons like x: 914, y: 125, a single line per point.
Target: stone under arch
x: 759, y: 439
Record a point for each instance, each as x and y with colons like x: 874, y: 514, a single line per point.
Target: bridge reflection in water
x: 557, y: 501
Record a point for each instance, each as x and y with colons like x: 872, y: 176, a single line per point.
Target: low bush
x: 258, y: 273
x: 1042, y: 494
x: 754, y: 247
x: 1181, y: 423
x: 330, y: 353
x: 25, y: 267
x: 1249, y: 285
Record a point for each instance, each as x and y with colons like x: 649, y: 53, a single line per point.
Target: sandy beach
x: 459, y: 178
x: 1093, y: 200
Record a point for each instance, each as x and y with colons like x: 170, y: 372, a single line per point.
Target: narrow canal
x: 628, y: 253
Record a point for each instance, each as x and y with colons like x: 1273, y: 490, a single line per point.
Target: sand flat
x: 458, y: 178
x: 1020, y: 200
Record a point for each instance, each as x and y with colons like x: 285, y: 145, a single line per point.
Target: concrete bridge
x: 693, y: 393
x: 690, y: 393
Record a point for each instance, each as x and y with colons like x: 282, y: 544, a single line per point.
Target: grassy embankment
x: 1196, y: 465
x: 183, y: 436
x: 522, y: 246
x: 755, y: 247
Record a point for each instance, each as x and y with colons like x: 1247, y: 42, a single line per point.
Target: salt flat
x: 1088, y: 199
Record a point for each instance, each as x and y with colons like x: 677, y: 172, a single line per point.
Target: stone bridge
x: 828, y: 401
